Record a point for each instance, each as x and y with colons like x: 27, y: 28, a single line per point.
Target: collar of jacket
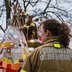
x: 50, y: 42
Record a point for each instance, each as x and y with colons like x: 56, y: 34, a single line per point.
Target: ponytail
x: 64, y: 34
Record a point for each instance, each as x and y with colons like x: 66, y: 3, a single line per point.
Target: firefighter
x: 29, y: 28
x: 54, y: 55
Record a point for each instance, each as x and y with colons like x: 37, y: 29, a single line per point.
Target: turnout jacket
x: 47, y: 58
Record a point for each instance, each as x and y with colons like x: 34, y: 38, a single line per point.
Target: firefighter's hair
x: 61, y: 30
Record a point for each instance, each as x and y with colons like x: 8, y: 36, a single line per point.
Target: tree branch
x: 47, y: 5
x: 2, y: 29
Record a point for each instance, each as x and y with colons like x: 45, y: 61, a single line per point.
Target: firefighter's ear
x: 48, y: 33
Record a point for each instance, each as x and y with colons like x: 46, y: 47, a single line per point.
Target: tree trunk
x: 7, y: 11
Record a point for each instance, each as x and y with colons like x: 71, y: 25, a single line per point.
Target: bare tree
x: 7, y: 9
x: 47, y: 8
